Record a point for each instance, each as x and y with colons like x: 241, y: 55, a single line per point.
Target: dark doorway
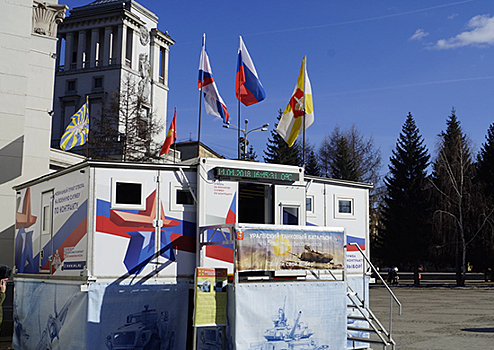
x: 254, y: 204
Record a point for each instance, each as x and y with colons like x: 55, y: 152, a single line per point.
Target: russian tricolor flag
x: 212, y: 99
x: 247, y: 83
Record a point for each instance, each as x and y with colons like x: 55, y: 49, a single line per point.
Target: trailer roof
x: 103, y: 164
x: 188, y: 164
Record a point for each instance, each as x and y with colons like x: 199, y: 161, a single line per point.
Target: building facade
x: 103, y: 46
x: 28, y: 33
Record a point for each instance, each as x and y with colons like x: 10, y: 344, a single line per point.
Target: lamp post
x: 246, y: 133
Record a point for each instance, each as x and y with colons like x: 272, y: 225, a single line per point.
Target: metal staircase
x: 361, y: 319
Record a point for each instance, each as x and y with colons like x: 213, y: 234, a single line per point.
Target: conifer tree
x: 348, y: 155
x: 311, y: 166
x: 482, y: 249
x: 277, y: 150
x: 406, y: 210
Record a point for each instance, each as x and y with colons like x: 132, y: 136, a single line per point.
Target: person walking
x: 3, y: 288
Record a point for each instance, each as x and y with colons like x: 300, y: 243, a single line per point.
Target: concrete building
x: 28, y: 35
x: 103, y: 46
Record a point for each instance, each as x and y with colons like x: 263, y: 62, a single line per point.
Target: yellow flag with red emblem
x: 292, y: 120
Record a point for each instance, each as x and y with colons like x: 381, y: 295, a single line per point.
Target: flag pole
x: 303, y: 122
x: 88, y: 128
x: 239, y: 98
x: 200, y: 99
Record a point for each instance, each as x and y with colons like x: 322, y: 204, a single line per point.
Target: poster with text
x: 210, y: 296
x: 289, y: 249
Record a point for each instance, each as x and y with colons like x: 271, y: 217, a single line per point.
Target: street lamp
x: 246, y: 133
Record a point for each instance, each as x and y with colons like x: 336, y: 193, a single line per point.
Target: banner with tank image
x: 286, y: 248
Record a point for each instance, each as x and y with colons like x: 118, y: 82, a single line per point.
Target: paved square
x: 438, y: 317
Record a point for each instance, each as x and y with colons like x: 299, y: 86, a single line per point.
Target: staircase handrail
x: 380, y: 277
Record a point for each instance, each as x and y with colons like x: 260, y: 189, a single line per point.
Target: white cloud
x: 419, y: 34
x: 453, y: 16
x: 480, y: 33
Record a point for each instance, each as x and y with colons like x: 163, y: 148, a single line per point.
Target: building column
x: 94, y: 47
x: 81, y: 52
x: 107, y: 46
x: 58, y: 54
x: 69, y: 42
x: 154, y: 60
x: 122, y: 41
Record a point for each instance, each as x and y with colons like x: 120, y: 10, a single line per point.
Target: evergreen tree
x: 453, y: 171
x: 277, y: 150
x: 482, y: 249
x: 406, y: 210
x: 348, y: 155
x: 251, y: 154
x: 311, y: 166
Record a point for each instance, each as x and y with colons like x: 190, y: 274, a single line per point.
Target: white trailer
x: 105, y: 253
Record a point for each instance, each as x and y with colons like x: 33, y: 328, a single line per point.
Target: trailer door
x: 45, y: 247
x: 289, y: 204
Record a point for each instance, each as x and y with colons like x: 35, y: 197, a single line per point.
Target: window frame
x: 174, y: 206
x: 115, y: 205
x: 341, y: 198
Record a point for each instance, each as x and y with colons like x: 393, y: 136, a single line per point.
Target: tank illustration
x: 315, y: 256
x: 309, y: 259
x: 283, y: 336
x: 145, y: 330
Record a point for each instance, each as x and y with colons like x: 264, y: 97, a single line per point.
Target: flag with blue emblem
x: 77, y: 131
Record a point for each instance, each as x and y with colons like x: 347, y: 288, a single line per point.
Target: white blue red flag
x: 247, y: 83
x: 212, y: 99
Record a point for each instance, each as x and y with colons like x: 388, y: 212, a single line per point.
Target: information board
x: 210, y: 297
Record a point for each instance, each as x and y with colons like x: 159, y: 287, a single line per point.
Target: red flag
x: 171, y: 136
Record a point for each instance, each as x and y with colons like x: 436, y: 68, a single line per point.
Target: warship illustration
x: 283, y: 336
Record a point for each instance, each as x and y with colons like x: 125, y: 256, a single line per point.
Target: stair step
x: 368, y: 340
x: 364, y: 329
x: 354, y: 306
x: 358, y: 317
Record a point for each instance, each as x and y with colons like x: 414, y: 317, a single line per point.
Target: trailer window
x: 127, y: 195
x: 344, y: 207
x: 184, y: 197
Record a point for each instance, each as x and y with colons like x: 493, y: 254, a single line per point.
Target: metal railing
x: 392, y: 295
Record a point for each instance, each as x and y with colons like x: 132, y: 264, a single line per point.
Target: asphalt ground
x: 438, y: 317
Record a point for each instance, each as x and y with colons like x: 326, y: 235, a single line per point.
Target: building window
x: 143, y: 124
x: 128, y: 48
x: 97, y: 83
x: 344, y: 207
x: 127, y: 194
x: 71, y: 85
x: 162, y: 65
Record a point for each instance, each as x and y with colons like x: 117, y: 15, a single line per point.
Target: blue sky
x: 369, y: 62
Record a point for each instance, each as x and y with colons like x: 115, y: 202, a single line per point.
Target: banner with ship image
x: 290, y: 316
x: 286, y: 248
